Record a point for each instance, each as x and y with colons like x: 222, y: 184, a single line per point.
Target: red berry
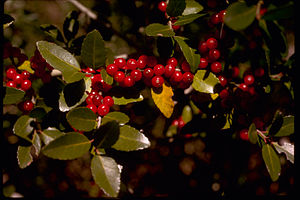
x: 259, y: 72
x: 159, y: 69
x: 224, y: 94
x: 25, y: 75
x: 187, y: 77
x: 215, y: 18
x: 26, y: 85
x: 96, y: 79
x: 203, y: 63
x: 214, y: 54
x: 216, y: 67
x: 181, y: 123
x: 202, y: 47
x: 11, y: 84
x: 244, y: 134
x: 90, y: 70
x: 111, y: 69
x: 249, y: 79
x: 162, y: 6
x: 142, y: 61
x: 109, y: 101
x: 185, y: 66
x: 235, y: 72
x: 92, y: 107
x: 120, y: 62
x: 132, y: 64
x: 175, y: 122
x: 223, y: 80
x: 243, y: 87
x: 157, y: 81
x: 212, y: 43
x: 172, y: 61
x: 222, y: 14
x: 175, y: 27
x: 18, y: 79
x: 119, y: 76
x: 128, y: 81
x: 151, y: 61
x: 11, y: 73
x: 169, y: 70
x: 103, y: 110
x: 148, y: 73
x: 97, y: 99
x: 28, y: 105
x: 136, y: 75
x: 89, y: 99
x: 177, y: 76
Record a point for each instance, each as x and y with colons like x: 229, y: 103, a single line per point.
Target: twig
x: 83, y: 9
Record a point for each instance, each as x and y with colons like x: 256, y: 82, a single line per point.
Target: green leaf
x: 106, y: 77
x: 252, y: 133
x: 50, y: 134
x: 287, y: 149
x: 24, y: 156
x: 7, y: 20
x: 162, y: 98
x: 287, y: 127
x: 192, y: 7
x: 107, y: 134
x: 119, y: 117
x: 69, y: 99
x: 52, y: 31
x: 157, y: 29
x: 205, y: 81
x: 93, y: 51
x: 38, y: 113
x: 22, y: 127
x: 130, y: 139
x: 187, y: 114
x: 239, y: 15
x: 71, y: 25
x: 82, y: 119
x: 36, y: 143
x: 175, y: 7
x: 107, y: 174
x: 125, y: 101
x: 186, y: 19
x: 192, y: 58
x: 281, y: 12
x: 61, y: 60
x: 272, y: 161
x: 12, y: 95
x: 67, y: 147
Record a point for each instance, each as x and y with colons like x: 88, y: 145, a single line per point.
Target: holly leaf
x: 24, y: 156
x: 62, y: 60
x: 67, y: 147
x: 107, y: 134
x: 107, y: 174
x: 119, y: 117
x: 252, y: 133
x: 272, y: 161
x: 282, y: 126
x: 82, y: 118
x: 287, y: 148
x: 69, y: 99
x: 49, y: 134
x: 52, y: 31
x: 192, y: 7
x: 189, y: 53
x: 186, y: 19
x: 162, y: 98
x: 22, y: 127
x: 130, y: 139
x: 205, y: 81
x: 157, y: 29
x: 175, y: 7
x: 239, y: 15
x: 12, y: 95
x: 93, y: 51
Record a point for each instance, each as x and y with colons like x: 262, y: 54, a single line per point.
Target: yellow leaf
x: 162, y: 98
x: 214, y: 96
x: 26, y: 66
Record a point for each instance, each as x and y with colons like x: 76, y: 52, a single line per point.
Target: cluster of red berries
x: 41, y: 68
x: 209, y: 55
x: 13, y: 52
x: 217, y: 18
x: 20, y: 80
x: 146, y: 68
x: 162, y: 6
